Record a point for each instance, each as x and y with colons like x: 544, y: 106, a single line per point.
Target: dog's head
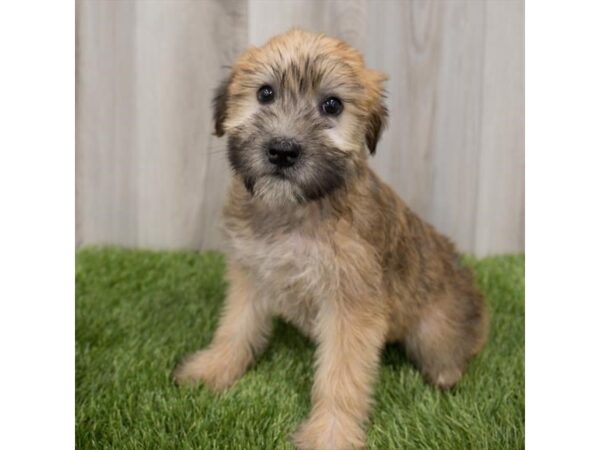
x: 301, y: 114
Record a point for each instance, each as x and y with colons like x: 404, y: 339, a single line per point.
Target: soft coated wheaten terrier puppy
x: 317, y: 238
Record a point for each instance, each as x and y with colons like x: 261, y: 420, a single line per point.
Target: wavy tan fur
x: 327, y: 245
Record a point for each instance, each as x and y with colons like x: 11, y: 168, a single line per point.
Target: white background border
x: 37, y: 157
x: 562, y: 48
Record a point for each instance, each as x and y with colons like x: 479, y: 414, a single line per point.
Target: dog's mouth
x: 276, y: 188
x: 282, y: 173
x: 288, y: 173
x: 271, y: 179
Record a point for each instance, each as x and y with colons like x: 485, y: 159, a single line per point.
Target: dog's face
x: 301, y: 115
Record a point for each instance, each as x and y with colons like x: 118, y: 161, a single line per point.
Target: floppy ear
x: 220, y: 106
x: 375, y: 124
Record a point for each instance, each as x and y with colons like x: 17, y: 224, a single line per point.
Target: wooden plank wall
x: 150, y: 174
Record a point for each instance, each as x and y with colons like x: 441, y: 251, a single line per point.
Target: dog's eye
x: 332, y: 106
x: 265, y: 94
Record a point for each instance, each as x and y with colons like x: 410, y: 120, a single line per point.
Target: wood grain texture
x: 106, y: 199
x: 345, y: 19
x: 500, y: 220
x: 150, y: 173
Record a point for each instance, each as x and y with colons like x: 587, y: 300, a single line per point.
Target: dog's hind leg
x: 447, y: 335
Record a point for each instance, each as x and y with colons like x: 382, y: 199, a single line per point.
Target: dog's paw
x: 444, y: 379
x: 203, y: 367
x: 328, y: 432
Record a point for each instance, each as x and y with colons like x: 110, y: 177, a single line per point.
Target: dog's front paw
x: 328, y: 432
x: 204, y: 367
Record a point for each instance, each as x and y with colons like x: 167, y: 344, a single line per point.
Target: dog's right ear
x: 220, y: 106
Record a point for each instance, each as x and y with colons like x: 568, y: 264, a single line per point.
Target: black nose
x: 283, y: 152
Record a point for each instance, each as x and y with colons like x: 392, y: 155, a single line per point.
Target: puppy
x: 317, y: 238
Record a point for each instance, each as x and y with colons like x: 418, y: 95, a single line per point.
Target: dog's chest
x: 292, y: 272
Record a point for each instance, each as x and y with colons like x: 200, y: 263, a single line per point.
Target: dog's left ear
x: 220, y: 106
x: 378, y: 113
x: 375, y: 124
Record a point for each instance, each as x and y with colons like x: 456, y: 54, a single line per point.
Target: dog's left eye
x: 332, y: 106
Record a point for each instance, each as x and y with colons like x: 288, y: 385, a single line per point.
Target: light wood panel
x: 150, y: 174
x: 500, y: 220
x: 345, y: 19
x: 106, y: 197
x: 149, y: 171
x: 435, y: 63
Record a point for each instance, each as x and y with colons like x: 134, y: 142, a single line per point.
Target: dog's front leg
x: 351, y: 336
x: 242, y: 334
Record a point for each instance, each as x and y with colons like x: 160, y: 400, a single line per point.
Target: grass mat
x: 138, y: 312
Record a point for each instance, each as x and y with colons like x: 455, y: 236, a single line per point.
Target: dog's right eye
x: 265, y: 94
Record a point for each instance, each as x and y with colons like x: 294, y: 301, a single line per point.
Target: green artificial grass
x: 139, y: 312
